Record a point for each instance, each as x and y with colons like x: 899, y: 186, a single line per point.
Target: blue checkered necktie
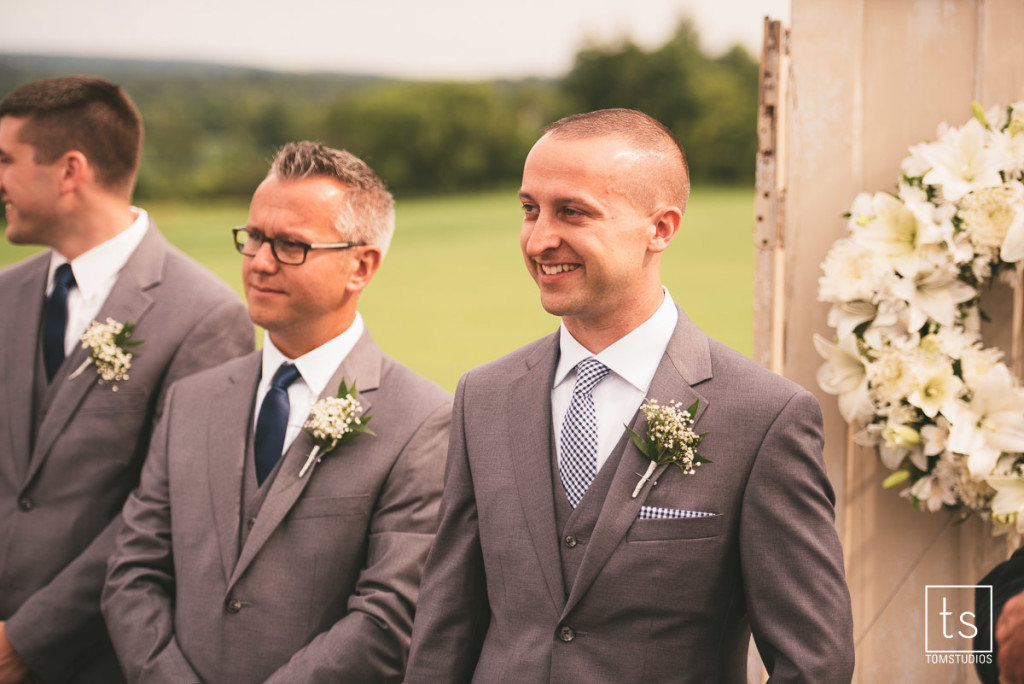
x: 55, y: 320
x: 578, y: 465
x: 273, y: 421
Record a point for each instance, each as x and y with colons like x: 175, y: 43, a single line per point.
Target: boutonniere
x: 109, y: 346
x: 670, y: 439
x: 333, y: 421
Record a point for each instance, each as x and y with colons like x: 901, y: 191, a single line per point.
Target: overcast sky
x: 411, y: 38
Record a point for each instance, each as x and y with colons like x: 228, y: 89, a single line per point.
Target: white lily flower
x: 991, y: 424
x: 933, y: 492
x: 963, y: 160
x: 894, y: 233
x: 934, y: 294
x: 935, y: 437
x: 843, y: 374
x: 938, y: 389
x: 1009, y: 498
x: 846, y: 316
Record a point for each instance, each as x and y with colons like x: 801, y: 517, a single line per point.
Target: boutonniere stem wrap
x: 109, y: 346
x: 670, y: 439
x: 333, y: 421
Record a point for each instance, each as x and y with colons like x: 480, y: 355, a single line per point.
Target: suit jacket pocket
x: 327, y: 506
x: 679, y: 528
x: 104, y: 399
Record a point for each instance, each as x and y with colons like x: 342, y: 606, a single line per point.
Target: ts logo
x: 951, y: 618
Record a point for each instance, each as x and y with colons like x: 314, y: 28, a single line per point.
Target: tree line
x: 211, y: 130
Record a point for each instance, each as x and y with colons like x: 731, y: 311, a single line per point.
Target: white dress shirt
x: 315, y: 367
x: 95, y: 273
x: 633, y: 361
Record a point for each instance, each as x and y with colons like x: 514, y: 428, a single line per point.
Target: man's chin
x: 557, y: 306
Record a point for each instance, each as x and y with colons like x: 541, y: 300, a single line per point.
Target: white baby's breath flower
x: 333, y: 421
x: 670, y: 438
x: 108, y: 344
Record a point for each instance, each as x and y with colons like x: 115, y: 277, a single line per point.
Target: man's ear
x: 74, y: 169
x: 367, y: 263
x: 666, y: 221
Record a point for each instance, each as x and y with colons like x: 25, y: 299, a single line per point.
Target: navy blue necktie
x: 273, y: 421
x: 55, y: 320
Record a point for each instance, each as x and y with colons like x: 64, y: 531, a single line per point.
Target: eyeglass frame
x: 306, y: 246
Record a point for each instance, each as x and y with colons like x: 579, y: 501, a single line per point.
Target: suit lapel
x: 529, y: 427
x: 228, y: 430
x: 362, y: 366
x: 20, y: 346
x: 687, y: 362
x: 128, y: 301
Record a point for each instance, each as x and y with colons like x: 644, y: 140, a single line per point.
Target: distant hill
x: 137, y: 76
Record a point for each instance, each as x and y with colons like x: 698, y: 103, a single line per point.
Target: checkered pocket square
x: 659, y: 513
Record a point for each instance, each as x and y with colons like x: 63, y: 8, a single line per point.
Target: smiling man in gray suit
x: 243, y: 559
x: 71, y: 445
x: 555, y: 561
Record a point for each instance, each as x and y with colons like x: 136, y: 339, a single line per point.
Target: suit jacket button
x: 566, y: 633
x: 570, y: 541
x: 25, y: 503
x: 233, y: 605
x: 250, y: 522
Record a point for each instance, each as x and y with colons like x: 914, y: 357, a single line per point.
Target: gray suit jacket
x: 62, y: 484
x: 653, y: 600
x: 325, y: 586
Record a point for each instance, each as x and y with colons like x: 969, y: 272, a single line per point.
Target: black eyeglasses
x: 288, y: 252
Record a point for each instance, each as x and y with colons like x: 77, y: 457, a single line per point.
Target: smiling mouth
x: 555, y: 269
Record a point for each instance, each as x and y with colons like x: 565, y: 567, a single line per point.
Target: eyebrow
x: 563, y: 200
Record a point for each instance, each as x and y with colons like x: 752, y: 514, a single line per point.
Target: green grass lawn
x: 453, y: 291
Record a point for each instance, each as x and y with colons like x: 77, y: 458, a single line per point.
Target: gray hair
x: 368, y: 214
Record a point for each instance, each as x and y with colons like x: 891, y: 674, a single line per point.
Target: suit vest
x: 577, y: 526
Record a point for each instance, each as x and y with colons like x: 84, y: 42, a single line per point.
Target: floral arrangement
x: 908, y: 364
x: 109, y: 346
x: 333, y: 421
x: 671, y: 439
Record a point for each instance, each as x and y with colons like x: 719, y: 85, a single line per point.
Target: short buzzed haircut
x: 368, y: 214
x: 89, y: 115
x: 668, y: 167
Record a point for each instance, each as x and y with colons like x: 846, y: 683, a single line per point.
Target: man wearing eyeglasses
x: 71, y: 442
x: 253, y: 551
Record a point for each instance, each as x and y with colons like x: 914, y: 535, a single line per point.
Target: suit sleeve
x: 59, y: 625
x: 224, y: 333
x: 138, y: 598
x: 792, y: 562
x: 453, y: 612
x: 371, y: 643
x: 1006, y: 580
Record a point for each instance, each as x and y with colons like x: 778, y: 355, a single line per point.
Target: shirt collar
x: 95, y: 268
x: 634, y: 357
x: 317, y: 365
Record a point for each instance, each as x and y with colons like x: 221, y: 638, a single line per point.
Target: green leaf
x: 693, y: 409
x: 896, y: 479
x: 646, y: 448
